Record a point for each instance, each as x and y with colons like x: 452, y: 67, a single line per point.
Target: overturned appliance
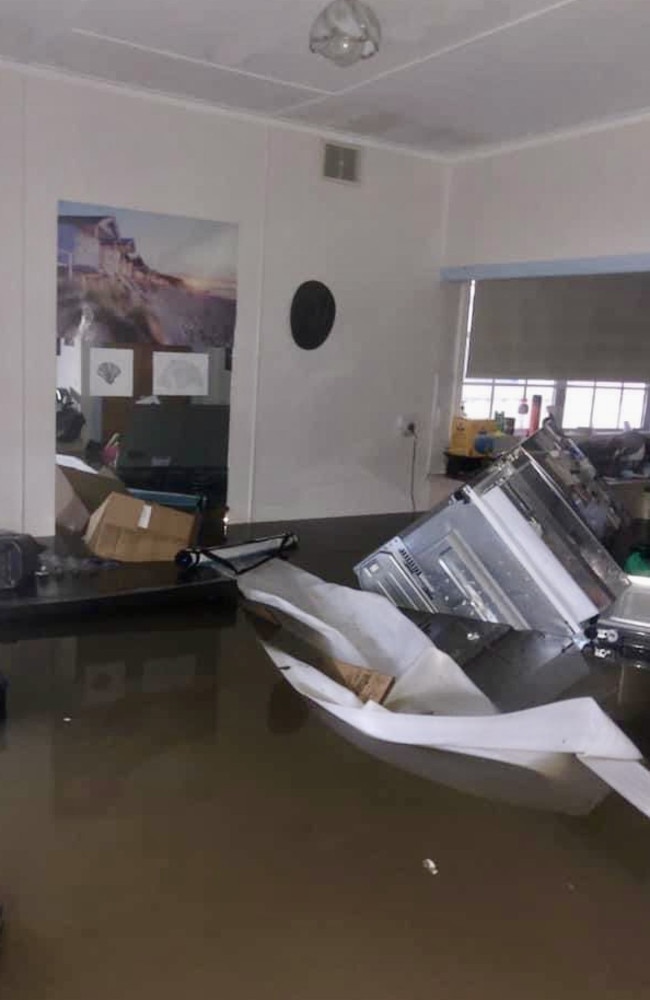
x: 522, y: 545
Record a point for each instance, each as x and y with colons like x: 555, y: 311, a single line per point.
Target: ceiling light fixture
x: 346, y: 32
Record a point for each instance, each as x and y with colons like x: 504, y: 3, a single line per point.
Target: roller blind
x: 583, y: 327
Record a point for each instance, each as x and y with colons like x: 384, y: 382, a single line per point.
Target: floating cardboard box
x: 298, y: 640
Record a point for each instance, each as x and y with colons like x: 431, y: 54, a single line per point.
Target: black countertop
x: 175, y: 821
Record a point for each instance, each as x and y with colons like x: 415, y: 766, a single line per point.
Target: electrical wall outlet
x: 407, y: 424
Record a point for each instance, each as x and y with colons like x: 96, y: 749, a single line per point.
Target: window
x: 604, y: 405
x: 482, y: 398
x: 600, y: 406
x: 589, y: 405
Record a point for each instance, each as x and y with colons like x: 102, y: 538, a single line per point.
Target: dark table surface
x: 176, y: 822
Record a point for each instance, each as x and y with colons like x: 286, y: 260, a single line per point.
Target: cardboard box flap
x: 80, y: 490
x: 91, y: 489
x: 71, y: 513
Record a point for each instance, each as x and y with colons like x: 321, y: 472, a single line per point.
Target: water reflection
x: 287, y: 710
x: 120, y: 709
x: 570, y: 788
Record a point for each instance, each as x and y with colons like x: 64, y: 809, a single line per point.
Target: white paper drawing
x: 111, y: 371
x: 177, y: 374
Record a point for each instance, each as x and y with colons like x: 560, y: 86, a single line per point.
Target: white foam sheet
x: 433, y: 703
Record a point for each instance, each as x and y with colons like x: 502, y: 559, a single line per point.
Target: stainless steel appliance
x: 521, y: 545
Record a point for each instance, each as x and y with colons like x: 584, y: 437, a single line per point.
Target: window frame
x: 560, y: 387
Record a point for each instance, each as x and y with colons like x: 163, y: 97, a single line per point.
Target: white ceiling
x: 452, y: 76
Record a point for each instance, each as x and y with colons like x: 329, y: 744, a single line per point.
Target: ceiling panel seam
x: 201, y: 62
x: 42, y: 71
x: 455, y: 47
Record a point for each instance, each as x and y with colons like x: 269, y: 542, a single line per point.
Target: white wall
x: 11, y: 301
x: 84, y: 143
x: 312, y: 434
x: 326, y: 440
x: 582, y: 196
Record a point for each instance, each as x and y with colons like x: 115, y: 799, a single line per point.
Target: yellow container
x: 464, y: 432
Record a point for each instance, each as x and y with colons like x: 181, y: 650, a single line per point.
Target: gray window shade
x: 583, y: 327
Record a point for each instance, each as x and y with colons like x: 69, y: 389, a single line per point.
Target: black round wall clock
x: 313, y: 312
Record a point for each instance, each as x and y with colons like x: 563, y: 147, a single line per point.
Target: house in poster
x: 93, y: 245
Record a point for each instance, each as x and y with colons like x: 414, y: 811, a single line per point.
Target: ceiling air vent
x: 341, y: 163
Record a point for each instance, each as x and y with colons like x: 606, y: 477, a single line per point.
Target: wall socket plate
x: 403, y: 422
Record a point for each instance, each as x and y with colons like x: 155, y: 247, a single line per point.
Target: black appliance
x: 18, y: 559
x: 177, y: 450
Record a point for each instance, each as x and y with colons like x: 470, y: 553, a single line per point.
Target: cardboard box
x: 71, y: 514
x: 80, y: 490
x: 298, y: 640
x: 464, y: 432
x: 131, y: 530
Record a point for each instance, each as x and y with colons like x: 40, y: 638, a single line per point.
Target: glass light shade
x: 345, y: 32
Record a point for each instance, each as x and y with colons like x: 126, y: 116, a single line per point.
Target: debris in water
x: 430, y: 866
